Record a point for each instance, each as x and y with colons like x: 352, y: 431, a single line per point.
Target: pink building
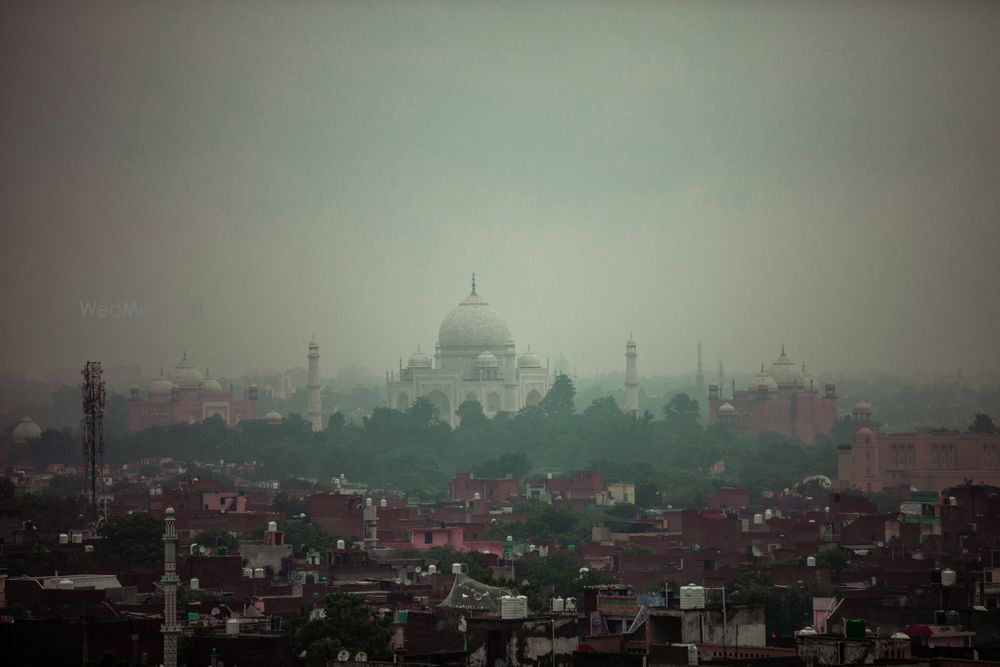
x: 926, y: 461
x: 783, y: 399
x: 186, y: 396
x: 447, y: 536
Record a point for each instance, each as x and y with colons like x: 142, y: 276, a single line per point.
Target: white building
x: 474, y: 359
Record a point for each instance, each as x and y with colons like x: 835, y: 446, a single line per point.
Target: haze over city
x: 811, y: 174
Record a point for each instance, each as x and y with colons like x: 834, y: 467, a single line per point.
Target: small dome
x: 186, y: 376
x: 274, y: 416
x: 419, y: 360
x: 26, y: 430
x: 763, y: 379
x: 211, y: 384
x: 169, y: 511
x: 864, y: 435
x: 529, y: 360
x: 160, y: 387
x: 727, y: 409
x: 861, y: 406
x: 487, y: 360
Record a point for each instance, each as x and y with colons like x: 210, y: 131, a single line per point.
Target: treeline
x: 671, y: 457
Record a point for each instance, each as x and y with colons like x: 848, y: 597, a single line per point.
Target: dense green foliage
x: 132, y: 539
x: 671, y: 460
x: 346, y: 624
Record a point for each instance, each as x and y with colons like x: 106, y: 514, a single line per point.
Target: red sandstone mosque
x: 185, y: 396
x: 784, y: 399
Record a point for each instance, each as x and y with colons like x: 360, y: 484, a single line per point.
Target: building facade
x: 784, y: 399
x: 474, y: 360
x: 924, y: 461
x: 187, y: 396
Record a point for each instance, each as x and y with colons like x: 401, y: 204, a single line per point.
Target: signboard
x: 617, y: 605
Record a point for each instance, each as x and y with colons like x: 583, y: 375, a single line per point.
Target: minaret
x: 631, y: 379
x: 170, y: 629
x: 315, y: 411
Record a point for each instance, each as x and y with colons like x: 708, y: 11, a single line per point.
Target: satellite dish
x: 344, y: 655
x: 417, y: 569
x: 361, y: 656
x: 215, y: 611
x: 202, y: 550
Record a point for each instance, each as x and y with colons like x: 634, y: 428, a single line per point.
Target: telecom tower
x: 699, y: 381
x: 315, y: 411
x: 631, y: 378
x: 93, y: 428
x: 170, y: 628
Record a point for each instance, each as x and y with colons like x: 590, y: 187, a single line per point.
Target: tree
x: 681, y: 414
x: 337, y: 421
x: 559, y: 400
x: 346, y: 624
x: 137, y: 538
x: 423, y: 411
x: 510, y: 463
x: 471, y: 416
x: 982, y: 424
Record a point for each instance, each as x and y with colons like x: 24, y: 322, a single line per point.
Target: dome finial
x: 762, y: 367
x: 473, y: 282
x: 782, y: 349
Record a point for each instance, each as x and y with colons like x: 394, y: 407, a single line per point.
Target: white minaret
x: 631, y: 379
x: 315, y: 411
x: 170, y: 628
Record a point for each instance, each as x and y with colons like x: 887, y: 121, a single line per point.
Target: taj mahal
x: 474, y: 360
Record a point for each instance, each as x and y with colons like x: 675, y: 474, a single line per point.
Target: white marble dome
x: 762, y: 379
x: 273, y: 416
x: 784, y: 371
x: 727, y: 409
x: 529, y: 360
x: 160, y: 387
x: 187, y: 376
x: 26, y: 430
x: 419, y: 360
x: 487, y: 360
x: 211, y: 384
x: 473, y: 324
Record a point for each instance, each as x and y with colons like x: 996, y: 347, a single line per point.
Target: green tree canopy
x: 559, y: 401
x: 137, y: 538
x: 346, y: 624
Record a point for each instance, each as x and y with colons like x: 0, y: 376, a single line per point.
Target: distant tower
x: 315, y: 411
x: 170, y: 629
x: 631, y: 379
x: 699, y: 378
x: 93, y: 428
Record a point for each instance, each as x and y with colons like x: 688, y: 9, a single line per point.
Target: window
x: 428, y: 537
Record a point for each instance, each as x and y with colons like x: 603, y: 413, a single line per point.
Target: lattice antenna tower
x: 93, y: 427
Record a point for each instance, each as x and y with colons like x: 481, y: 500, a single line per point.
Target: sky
x: 819, y: 175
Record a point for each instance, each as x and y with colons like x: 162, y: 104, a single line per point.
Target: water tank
x: 63, y: 538
x: 558, y: 604
x: 258, y: 573
x: 548, y: 475
x: 953, y: 501
x: 570, y: 604
x: 456, y: 568
x: 368, y: 502
x: 476, y: 496
x: 432, y: 569
x: 341, y: 545
x: 272, y: 526
x: 692, y: 597
x: 692, y: 654
x: 808, y: 631
x: 383, y: 503
x: 854, y: 628
x: 811, y: 561
x: 758, y: 519
x: 953, y: 619
x: 195, y: 583
x: 512, y: 606
x: 88, y: 548
x: 768, y: 515
x: 531, y: 547
x: 248, y: 572
x: 232, y: 627
x: 77, y: 538
x: 948, y: 577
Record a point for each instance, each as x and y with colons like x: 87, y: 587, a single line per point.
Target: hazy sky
x: 824, y: 175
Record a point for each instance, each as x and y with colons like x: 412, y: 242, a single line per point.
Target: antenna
x: 93, y: 427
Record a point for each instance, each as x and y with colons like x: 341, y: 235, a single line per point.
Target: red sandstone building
x: 186, y: 396
x: 925, y: 461
x: 784, y: 399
